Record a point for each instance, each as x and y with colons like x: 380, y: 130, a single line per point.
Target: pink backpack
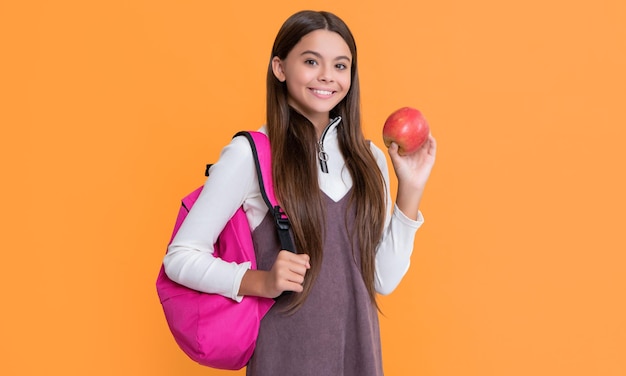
x: 211, y: 329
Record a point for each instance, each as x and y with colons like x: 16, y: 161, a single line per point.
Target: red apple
x: 408, y: 128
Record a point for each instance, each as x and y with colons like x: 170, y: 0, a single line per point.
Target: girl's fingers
x: 301, y: 259
x: 289, y: 271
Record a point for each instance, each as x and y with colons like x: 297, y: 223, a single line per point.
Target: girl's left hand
x: 414, y: 169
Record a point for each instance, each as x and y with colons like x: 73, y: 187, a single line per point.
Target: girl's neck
x: 320, y: 121
x: 320, y: 126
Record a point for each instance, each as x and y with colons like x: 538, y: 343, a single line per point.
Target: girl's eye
x: 341, y: 66
x: 310, y: 62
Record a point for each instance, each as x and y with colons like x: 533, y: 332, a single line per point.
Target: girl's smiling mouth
x: 322, y: 92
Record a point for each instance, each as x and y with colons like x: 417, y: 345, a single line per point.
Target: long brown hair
x: 293, y: 139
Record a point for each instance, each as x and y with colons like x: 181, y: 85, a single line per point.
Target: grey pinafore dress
x: 336, y: 331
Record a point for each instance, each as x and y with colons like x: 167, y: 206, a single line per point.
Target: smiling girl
x: 353, y: 242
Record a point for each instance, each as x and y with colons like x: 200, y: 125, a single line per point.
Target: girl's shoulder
x: 375, y: 148
x: 239, y: 146
x: 236, y: 155
x: 379, y: 155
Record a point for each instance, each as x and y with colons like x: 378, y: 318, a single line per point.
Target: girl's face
x: 317, y: 72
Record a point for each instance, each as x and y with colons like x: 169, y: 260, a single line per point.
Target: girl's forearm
x: 253, y: 283
x: 408, y: 200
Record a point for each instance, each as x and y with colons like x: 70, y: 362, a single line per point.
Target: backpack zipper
x: 321, y: 154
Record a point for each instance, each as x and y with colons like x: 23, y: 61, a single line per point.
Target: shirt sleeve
x: 190, y: 260
x: 393, y: 254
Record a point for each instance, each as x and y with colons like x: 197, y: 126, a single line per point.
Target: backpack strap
x: 262, y: 154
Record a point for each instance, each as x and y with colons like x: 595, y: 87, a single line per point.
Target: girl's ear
x: 277, y: 68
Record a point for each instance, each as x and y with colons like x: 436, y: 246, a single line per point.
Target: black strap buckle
x: 282, y: 227
x: 281, y: 219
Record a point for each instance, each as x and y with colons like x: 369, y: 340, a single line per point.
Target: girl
x: 353, y: 242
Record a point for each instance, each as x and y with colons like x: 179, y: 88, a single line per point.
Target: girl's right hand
x: 287, y: 274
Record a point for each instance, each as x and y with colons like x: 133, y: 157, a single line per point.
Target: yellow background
x: 110, y: 109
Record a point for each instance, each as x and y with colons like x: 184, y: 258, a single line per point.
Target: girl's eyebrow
x: 319, y: 56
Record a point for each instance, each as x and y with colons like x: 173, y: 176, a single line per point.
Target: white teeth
x: 322, y: 92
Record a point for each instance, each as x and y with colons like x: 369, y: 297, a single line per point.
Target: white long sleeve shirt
x: 233, y: 183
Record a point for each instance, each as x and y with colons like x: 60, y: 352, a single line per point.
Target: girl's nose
x: 325, y: 75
